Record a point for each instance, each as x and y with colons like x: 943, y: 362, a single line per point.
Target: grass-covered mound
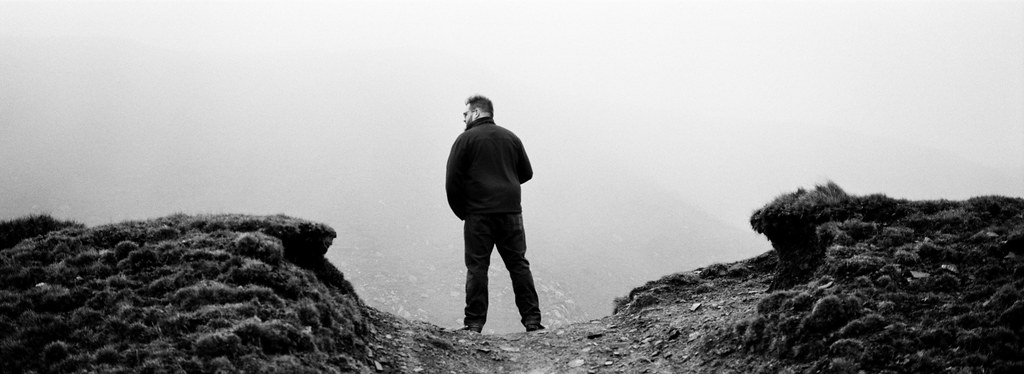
x: 14, y: 231
x: 889, y: 285
x: 196, y: 294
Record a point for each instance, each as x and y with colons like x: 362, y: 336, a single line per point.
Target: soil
x: 676, y: 333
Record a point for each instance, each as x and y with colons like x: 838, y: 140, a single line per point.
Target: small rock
x: 608, y: 363
x: 950, y: 268
x: 694, y: 307
x: 560, y: 332
x: 388, y: 336
x: 673, y: 334
x: 376, y: 364
x: 693, y: 336
x: 919, y: 274
x: 417, y: 369
x: 484, y: 350
x: 510, y: 349
x: 585, y: 350
x: 576, y: 363
x: 826, y: 285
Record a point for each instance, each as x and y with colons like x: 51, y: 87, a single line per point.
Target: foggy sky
x: 727, y: 103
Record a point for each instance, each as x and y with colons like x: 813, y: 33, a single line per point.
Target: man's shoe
x: 534, y: 327
x: 472, y: 328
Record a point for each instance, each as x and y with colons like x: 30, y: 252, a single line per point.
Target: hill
x: 201, y: 294
x: 854, y: 283
x: 881, y: 284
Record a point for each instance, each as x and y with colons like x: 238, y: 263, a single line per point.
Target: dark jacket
x: 485, y: 168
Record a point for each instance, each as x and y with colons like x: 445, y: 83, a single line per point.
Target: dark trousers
x: 482, y: 233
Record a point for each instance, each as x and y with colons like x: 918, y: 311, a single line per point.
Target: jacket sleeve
x: 453, y: 179
x: 523, y: 168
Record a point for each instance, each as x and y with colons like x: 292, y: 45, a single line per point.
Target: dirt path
x: 675, y: 334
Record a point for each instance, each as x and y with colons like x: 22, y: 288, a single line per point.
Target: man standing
x: 486, y: 166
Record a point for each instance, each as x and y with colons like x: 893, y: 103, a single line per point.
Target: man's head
x: 477, y: 107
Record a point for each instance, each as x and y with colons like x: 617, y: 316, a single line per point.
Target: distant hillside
x: 197, y: 294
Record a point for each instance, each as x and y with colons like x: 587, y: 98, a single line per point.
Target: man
x: 486, y: 166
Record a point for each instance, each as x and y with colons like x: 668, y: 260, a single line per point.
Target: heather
x: 15, y: 230
x: 197, y: 294
x: 890, y: 285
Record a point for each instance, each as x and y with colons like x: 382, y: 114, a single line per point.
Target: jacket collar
x: 480, y: 121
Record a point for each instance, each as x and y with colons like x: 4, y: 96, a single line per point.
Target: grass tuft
x: 259, y: 246
x: 55, y: 352
x: 218, y: 343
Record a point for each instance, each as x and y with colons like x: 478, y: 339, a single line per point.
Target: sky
x: 654, y: 86
x: 652, y: 126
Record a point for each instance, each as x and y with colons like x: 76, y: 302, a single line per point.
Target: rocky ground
x: 674, y: 329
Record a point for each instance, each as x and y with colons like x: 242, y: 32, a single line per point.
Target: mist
x: 654, y: 128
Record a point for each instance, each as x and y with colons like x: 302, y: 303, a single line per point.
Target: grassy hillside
x: 865, y: 283
x: 204, y: 294
x: 881, y: 284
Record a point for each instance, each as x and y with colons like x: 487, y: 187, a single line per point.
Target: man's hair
x: 482, y: 103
